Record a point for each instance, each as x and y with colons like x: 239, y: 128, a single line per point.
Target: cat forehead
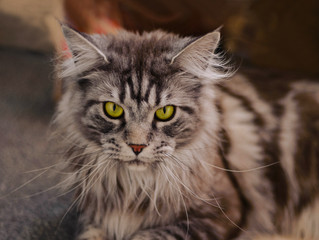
x: 144, y: 92
x: 139, y: 68
x: 137, y: 64
x: 156, y: 44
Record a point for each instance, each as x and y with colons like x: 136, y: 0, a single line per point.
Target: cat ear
x: 199, y: 51
x: 80, y: 46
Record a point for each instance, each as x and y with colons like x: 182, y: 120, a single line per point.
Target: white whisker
x: 85, y: 191
x: 188, y: 189
x: 240, y: 171
x: 24, y: 184
x: 235, y: 170
x: 176, y: 186
x: 228, y: 218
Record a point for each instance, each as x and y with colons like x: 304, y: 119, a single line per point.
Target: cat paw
x: 91, y: 233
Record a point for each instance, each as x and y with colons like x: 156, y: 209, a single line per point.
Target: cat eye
x: 112, y: 110
x: 165, y: 113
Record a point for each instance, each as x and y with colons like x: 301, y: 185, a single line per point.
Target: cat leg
x: 91, y: 233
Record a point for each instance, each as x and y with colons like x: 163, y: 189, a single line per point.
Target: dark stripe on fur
x: 245, y: 204
x: 139, y: 76
x: 258, y: 119
x: 187, y: 109
x: 189, y: 229
x: 94, y: 130
x: 179, y: 130
x: 275, y: 174
x: 307, y: 154
x: 148, y: 91
x: 174, y: 128
x: 196, y: 227
x: 122, y: 92
x: 124, y: 76
x: 102, y: 125
x: 174, y: 234
x: 89, y: 104
x: 158, y: 95
x: 131, y: 87
x: 75, y: 162
x: 84, y: 84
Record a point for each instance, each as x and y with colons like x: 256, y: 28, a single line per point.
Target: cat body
x: 163, y: 143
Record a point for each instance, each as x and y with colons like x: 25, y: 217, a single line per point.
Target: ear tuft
x: 199, y: 58
x: 203, y: 47
x: 81, y: 46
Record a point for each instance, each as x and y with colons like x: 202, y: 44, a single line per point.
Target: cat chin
x: 136, y: 165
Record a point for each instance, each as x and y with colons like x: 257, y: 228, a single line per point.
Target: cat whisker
x: 102, y: 173
x: 93, y: 174
x: 152, y: 199
x: 188, y: 189
x: 44, y: 168
x: 204, y: 200
x: 73, y: 188
x: 228, y: 218
x: 69, y: 209
x: 62, y: 163
x: 234, y: 170
x: 170, y: 183
x: 68, y: 139
x: 240, y: 171
x: 24, y: 184
x: 84, y: 154
x: 178, y: 161
x: 58, y: 185
x: 192, y: 149
x: 182, y: 197
x: 83, y: 193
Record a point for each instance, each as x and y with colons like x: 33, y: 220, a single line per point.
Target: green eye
x: 165, y: 113
x: 112, y: 110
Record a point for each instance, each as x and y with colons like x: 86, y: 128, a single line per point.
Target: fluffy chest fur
x: 159, y: 146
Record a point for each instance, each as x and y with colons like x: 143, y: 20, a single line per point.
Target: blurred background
x: 277, y: 34
x: 272, y: 40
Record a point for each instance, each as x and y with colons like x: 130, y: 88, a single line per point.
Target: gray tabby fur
x: 185, y: 184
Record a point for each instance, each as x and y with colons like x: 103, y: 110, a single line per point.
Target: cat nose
x: 137, y: 148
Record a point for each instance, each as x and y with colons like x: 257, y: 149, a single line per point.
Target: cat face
x: 132, y: 96
x: 139, y: 115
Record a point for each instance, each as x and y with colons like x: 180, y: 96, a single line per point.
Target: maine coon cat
x: 161, y: 142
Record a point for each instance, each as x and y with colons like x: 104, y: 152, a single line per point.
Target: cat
x: 164, y: 141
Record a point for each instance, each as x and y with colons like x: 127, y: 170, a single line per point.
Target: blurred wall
x: 30, y: 24
x: 281, y: 35
x: 277, y: 34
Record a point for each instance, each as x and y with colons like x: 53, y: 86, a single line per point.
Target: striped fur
x: 228, y: 165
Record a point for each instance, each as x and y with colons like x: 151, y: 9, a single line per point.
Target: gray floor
x: 26, y: 108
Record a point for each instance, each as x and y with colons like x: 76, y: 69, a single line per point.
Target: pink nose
x: 137, y: 148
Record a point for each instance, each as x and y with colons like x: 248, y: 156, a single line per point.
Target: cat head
x: 139, y: 99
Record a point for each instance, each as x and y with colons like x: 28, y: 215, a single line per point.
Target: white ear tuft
x: 79, y: 45
x: 200, y: 59
x: 203, y: 47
